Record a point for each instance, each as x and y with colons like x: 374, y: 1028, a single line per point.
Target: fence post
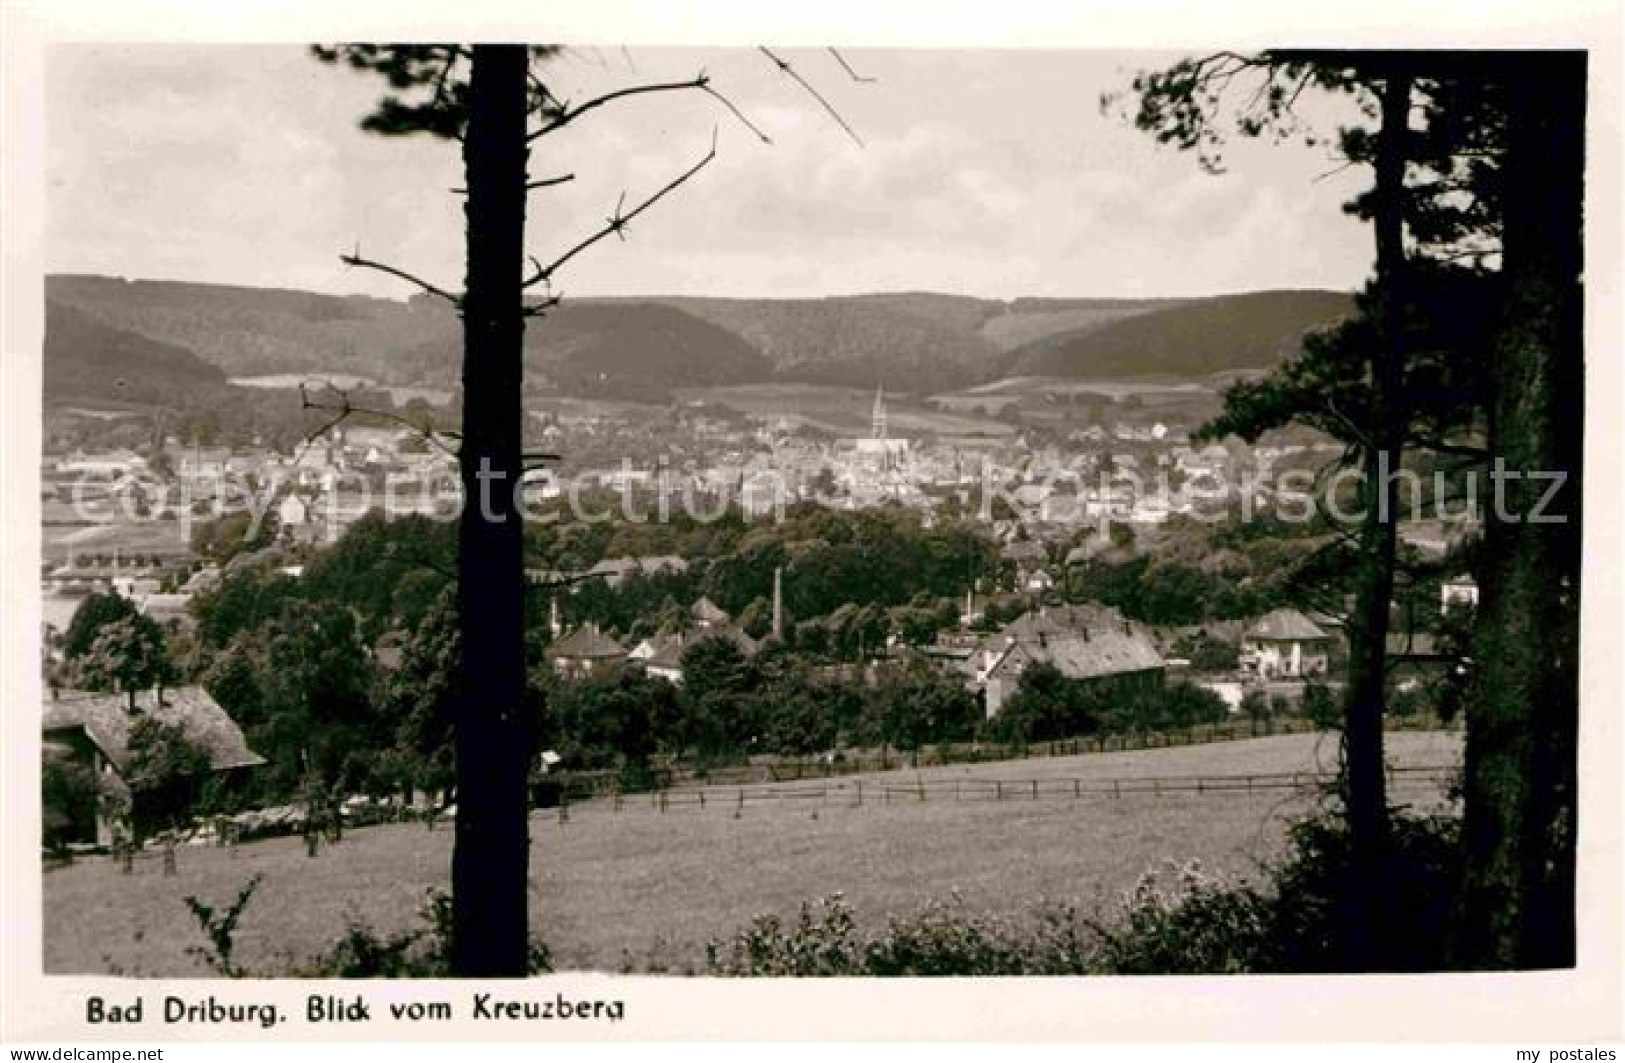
x: 1035, y: 789
x: 998, y: 792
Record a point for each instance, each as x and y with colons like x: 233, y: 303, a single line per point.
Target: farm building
x: 584, y: 652
x: 94, y: 730
x: 1285, y: 644
x: 1085, y: 643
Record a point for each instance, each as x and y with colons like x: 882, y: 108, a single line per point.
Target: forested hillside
x: 642, y: 348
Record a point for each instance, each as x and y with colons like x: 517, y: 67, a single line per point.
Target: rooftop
x: 106, y: 719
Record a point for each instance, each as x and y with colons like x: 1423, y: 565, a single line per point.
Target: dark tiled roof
x: 587, y: 643
x: 706, y: 611
x: 1078, y: 657
x: 1285, y: 625
x: 669, y: 649
x: 106, y: 719
x: 1063, y: 620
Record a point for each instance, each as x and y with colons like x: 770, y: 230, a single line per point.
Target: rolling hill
x: 629, y: 350
x: 1196, y: 338
x: 861, y: 340
x: 87, y: 361
x: 643, y: 348
x: 258, y: 331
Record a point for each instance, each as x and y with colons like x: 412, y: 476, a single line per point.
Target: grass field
x: 651, y: 888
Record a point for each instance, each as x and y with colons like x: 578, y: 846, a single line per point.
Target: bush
x: 421, y: 952
x: 1321, y: 708
x: 1193, y: 924
x: 1178, y: 920
x: 940, y: 939
x: 1300, y: 921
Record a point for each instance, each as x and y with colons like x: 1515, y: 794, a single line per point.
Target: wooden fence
x: 579, y: 786
x: 859, y: 793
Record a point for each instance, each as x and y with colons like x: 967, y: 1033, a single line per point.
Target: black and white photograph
x: 511, y: 509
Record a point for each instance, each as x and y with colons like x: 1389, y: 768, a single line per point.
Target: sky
x: 981, y: 172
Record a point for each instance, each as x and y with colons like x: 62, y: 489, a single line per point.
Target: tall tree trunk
x: 490, y: 861
x: 1519, y: 831
x: 1364, y: 781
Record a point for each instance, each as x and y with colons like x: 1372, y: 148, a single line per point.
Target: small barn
x: 94, y: 731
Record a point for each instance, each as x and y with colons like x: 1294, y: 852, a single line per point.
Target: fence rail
x: 856, y: 793
x: 679, y: 776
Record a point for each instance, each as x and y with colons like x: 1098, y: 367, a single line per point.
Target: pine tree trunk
x: 1519, y: 830
x: 490, y: 860
x: 1365, y: 781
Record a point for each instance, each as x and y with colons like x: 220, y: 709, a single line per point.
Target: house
x: 1285, y: 644
x: 1125, y: 661
x: 293, y: 510
x: 585, y: 652
x: 662, y: 563
x: 662, y: 655
x: 614, y: 571
x: 1085, y: 643
x: 1458, y: 593
x: 94, y: 730
x: 707, y: 614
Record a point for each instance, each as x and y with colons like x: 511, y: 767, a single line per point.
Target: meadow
x: 643, y: 889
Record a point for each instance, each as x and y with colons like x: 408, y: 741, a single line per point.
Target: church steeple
x: 879, y: 429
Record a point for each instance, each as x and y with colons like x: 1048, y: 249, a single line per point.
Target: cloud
x: 988, y: 173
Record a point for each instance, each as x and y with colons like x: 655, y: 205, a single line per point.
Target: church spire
x: 879, y: 429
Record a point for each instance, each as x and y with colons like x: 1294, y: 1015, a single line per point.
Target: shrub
x: 1177, y: 920
x: 423, y: 951
x: 1299, y: 922
x: 1321, y: 708
x: 1182, y: 921
x: 940, y: 939
x: 220, y: 927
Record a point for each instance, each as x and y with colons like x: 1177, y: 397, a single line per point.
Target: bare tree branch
x: 568, y: 114
x: 355, y: 259
x: 736, y: 112
x: 345, y: 409
x: 790, y: 72
x: 848, y: 68
x: 617, y: 222
x: 541, y: 307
